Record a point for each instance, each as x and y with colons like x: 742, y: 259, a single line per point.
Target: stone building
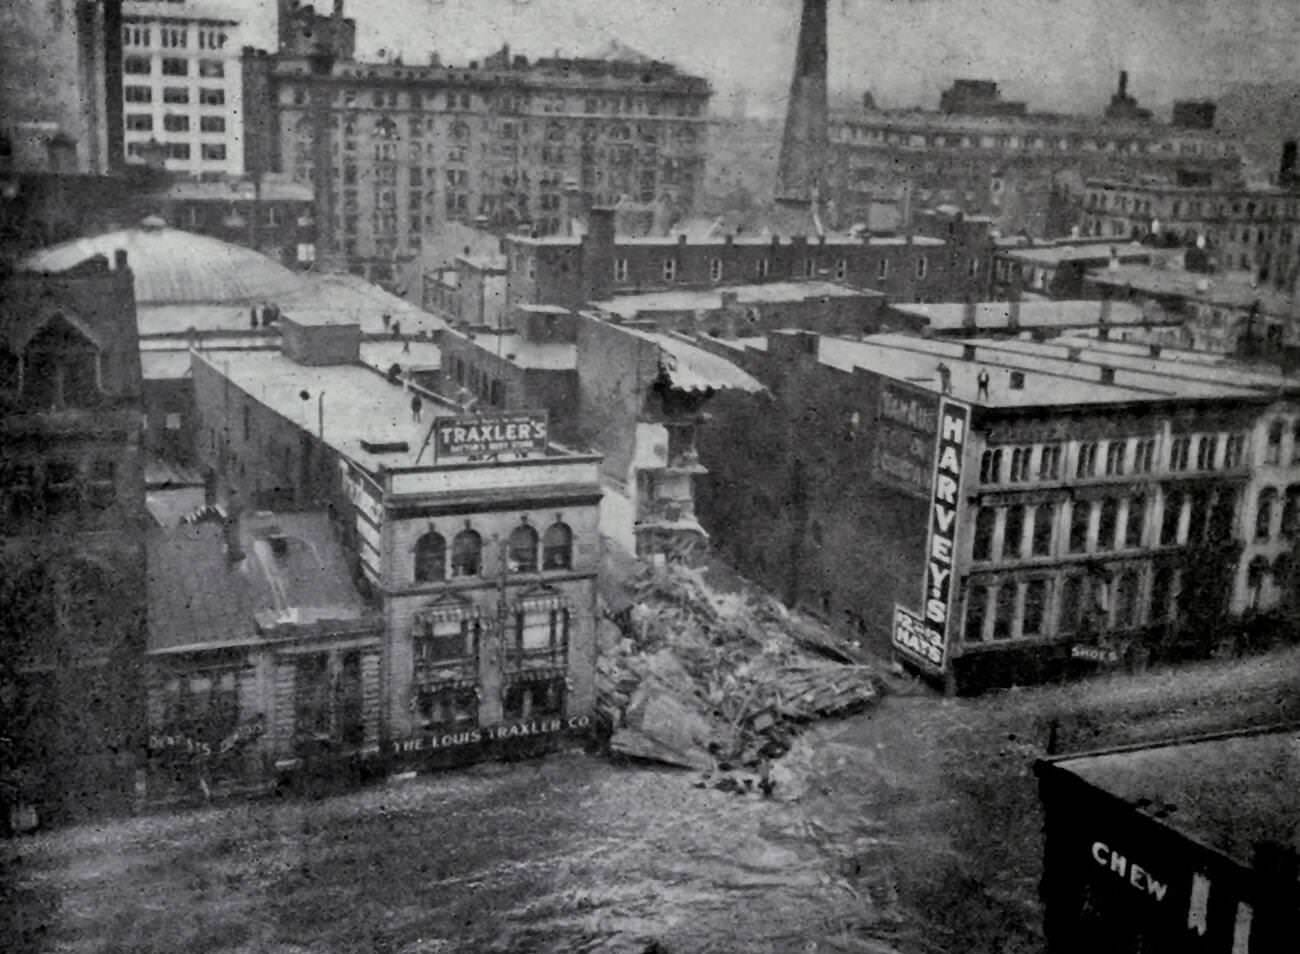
x: 1005, y: 510
x: 72, y: 553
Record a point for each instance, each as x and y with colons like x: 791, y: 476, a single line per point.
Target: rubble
x: 717, y: 682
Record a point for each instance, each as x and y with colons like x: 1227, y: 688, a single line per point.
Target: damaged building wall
x: 615, y: 372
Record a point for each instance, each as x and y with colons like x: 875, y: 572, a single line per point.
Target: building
x: 301, y: 31
x: 182, y: 86
x: 1035, y: 319
x: 1003, y: 162
x: 1186, y: 845
x: 263, y: 658
x: 72, y: 549
x: 1058, y: 270
x: 1007, y: 510
x: 60, y: 82
x: 416, y: 146
x: 474, y: 534
x: 272, y: 216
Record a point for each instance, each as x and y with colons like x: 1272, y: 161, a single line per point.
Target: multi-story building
x: 182, y: 86
x: 1006, y: 509
x: 411, y: 147
x: 1006, y: 163
x: 272, y: 216
x: 72, y: 549
x: 475, y: 535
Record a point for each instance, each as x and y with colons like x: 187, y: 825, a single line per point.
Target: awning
x: 447, y: 612
x: 535, y: 602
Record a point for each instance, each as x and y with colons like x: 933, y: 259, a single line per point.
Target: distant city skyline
x: 1057, y: 55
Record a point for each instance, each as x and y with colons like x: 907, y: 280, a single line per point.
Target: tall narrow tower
x: 804, y: 145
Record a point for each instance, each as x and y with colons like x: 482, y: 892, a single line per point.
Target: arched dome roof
x: 176, y: 267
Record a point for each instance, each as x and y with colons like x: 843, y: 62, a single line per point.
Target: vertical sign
x: 925, y: 637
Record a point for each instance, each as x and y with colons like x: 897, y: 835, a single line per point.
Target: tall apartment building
x: 412, y: 147
x: 182, y: 86
x: 991, y: 157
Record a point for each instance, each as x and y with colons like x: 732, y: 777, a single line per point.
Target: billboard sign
x: 905, y: 428
x: 519, y: 432
x: 928, y: 643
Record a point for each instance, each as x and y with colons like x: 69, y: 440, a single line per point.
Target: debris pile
x: 705, y: 680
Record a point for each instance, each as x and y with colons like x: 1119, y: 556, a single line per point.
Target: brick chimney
x: 230, y: 526
x: 598, y: 256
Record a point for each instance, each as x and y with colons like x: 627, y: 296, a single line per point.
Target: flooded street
x: 911, y: 828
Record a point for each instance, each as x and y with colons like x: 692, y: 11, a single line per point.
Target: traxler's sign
x: 924, y: 636
x: 520, y: 432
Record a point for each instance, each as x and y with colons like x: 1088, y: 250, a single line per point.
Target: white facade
x: 181, y: 86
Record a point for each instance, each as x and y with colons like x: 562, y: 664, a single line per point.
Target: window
x: 1086, y: 466
x: 212, y: 69
x: 764, y: 267
x: 1036, y: 592
x: 620, y: 269
x: 522, y: 551
x: 213, y: 151
x: 921, y: 266
x: 1264, y: 513
x: 447, y: 708
x: 1080, y: 516
x: 1136, y: 523
x: 1108, y: 523
x: 977, y: 608
x: 990, y: 465
x: 1198, y: 513
x: 1173, y: 514
x: 211, y: 97
x: 1071, y: 609
x: 137, y: 94
x: 312, y: 687
x: 1205, y: 452
x: 61, y: 491
x: 466, y: 554
x: 175, y: 66
x: 557, y: 547
x: 1020, y: 457
x: 542, y: 629
x: 1273, y: 449
x: 61, y: 368
x: 1144, y: 455
x: 1180, y: 453
x: 1013, y: 532
x: 670, y: 269
x: 809, y: 267
x: 430, y: 558
x: 176, y: 150
x: 1115, y: 458
x: 136, y: 65
x: 439, y: 641
x: 882, y: 269
x: 1235, y: 451
x: 176, y: 95
x: 1044, y: 524
x: 841, y: 269
x: 1163, y: 593
x: 715, y: 269
x: 985, y: 521
x: 1127, y: 606
x: 176, y: 123
x: 212, y: 124
x: 1291, y: 513
x: 137, y: 122
x: 1049, y: 462
x: 1004, y: 611
x: 1295, y: 442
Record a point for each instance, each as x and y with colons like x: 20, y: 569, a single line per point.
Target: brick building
x: 415, y: 146
x: 1094, y: 498
x: 72, y: 554
x: 272, y: 216
x: 476, y: 536
x: 1059, y: 270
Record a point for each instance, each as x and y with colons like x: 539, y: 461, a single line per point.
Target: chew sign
x: 925, y: 638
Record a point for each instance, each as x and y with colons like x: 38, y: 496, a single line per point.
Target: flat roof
x: 514, y: 347
x: 273, y: 189
x: 691, y: 368
x: 1056, y: 254
x: 710, y: 299
x: 1226, y: 792
x: 1216, y: 289
x: 410, y: 355
x: 1048, y: 377
x: 759, y: 238
x: 359, y: 404
x: 1035, y: 313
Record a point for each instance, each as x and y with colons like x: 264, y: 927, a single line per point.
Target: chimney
x: 1123, y: 84
x: 119, y: 260
x: 1286, y: 171
x: 730, y: 313
x: 574, y: 207
x: 1113, y: 265
x: 1013, y: 313
x: 598, y: 256
x: 968, y: 314
x: 1103, y: 318
x: 230, y: 526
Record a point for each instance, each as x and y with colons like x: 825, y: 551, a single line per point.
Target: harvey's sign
x: 924, y: 637
x: 523, y: 432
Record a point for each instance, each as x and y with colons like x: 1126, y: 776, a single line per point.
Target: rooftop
x: 198, y: 598
x: 1227, y: 792
x: 273, y: 189
x: 690, y: 368
x: 409, y: 355
x: 1048, y: 255
x: 1050, y: 375
x: 754, y: 239
x: 710, y: 299
x: 1218, y: 289
x: 535, y: 355
x: 1041, y: 313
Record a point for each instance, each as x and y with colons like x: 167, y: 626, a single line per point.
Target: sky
x: 1057, y: 54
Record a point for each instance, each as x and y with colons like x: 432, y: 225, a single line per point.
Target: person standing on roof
x: 417, y: 406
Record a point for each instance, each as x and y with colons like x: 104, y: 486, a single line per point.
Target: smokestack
x: 1286, y: 170
x: 806, y: 139
x: 1123, y: 84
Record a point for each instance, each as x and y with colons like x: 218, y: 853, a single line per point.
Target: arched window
x: 1255, y: 574
x: 61, y: 367
x: 430, y: 558
x: 466, y: 554
x: 1291, y: 513
x: 1264, y: 513
x: 1284, y: 579
x: 522, y: 551
x: 557, y: 547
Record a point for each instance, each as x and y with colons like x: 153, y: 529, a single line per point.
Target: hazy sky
x: 1055, y: 53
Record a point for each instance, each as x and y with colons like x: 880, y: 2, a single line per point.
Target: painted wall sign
x: 519, y: 432
x: 499, y: 733
x: 360, y: 495
x: 941, y: 540
x: 1129, y: 871
x: 905, y: 428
